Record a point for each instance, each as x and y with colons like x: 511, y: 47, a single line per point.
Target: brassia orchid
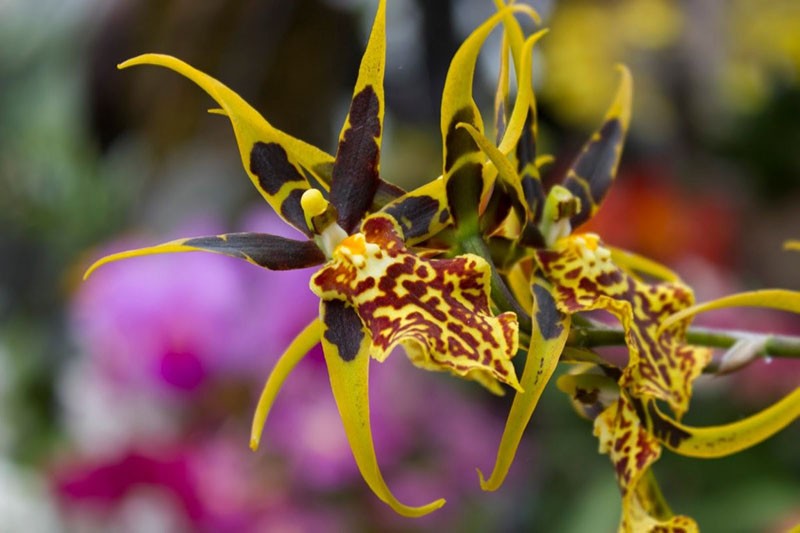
x: 455, y: 270
x: 568, y: 273
x: 375, y: 293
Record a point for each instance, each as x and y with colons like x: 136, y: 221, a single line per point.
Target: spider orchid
x: 557, y: 274
x: 375, y: 291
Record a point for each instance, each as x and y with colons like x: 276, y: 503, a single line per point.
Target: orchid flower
x: 557, y: 274
x: 375, y: 292
x: 454, y: 270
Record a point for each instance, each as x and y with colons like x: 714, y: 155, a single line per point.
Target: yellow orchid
x: 558, y: 274
x: 454, y: 270
x: 375, y: 292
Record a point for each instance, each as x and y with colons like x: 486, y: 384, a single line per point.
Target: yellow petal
x: 462, y: 159
x: 356, y: 170
x: 525, y: 104
x: 791, y: 245
x: 780, y: 299
x: 261, y: 249
x: 299, y: 348
x: 273, y: 160
x: 591, y: 175
x: 635, y: 263
x: 719, y: 441
x: 632, y: 451
x: 550, y: 331
x: 346, y: 345
x: 661, y: 364
x: 590, y: 390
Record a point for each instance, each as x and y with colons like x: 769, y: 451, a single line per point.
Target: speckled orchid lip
x: 559, y: 275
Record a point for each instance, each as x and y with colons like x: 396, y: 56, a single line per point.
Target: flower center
x: 320, y: 216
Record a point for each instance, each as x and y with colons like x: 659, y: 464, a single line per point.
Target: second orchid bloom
x: 455, y: 270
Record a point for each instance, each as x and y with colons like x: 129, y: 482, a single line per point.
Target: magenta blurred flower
x: 166, y: 324
x: 202, y: 484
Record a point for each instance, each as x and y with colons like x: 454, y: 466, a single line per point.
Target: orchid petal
x: 635, y: 263
x: 550, y: 331
x: 591, y: 175
x: 509, y: 180
x: 590, y: 391
x: 661, y: 364
x: 438, y: 309
x: 346, y: 345
x: 791, y: 245
x: 463, y: 165
x: 632, y: 451
x: 727, y: 439
x: 261, y: 249
x: 356, y: 169
x: 780, y: 299
x: 421, y: 213
x: 273, y: 160
x: 501, y: 94
x: 299, y: 348
x: 520, y: 134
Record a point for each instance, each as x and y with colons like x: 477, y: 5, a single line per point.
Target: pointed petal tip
x: 136, y: 60
x: 89, y: 271
x: 621, y: 108
x: 514, y: 384
x: 419, y: 511
x: 486, y: 486
x: 527, y: 10
x: 297, y: 350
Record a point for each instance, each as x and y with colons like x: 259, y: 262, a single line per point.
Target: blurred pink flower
x: 200, y: 484
x: 164, y: 324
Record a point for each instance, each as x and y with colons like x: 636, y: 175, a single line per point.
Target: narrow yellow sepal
x: 621, y: 106
x: 166, y: 248
x: 791, y: 245
x: 543, y: 354
x: 299, y: 348
x: 544, y: 160
x: 719, y: 441
x: 251, y: 128
x: 350, y: 386
x: 457, y: 100
x: 525, y: 99
x: 635, y: 263
x: 373, y: 65
x: 780, y: 299
x: 505, y: 170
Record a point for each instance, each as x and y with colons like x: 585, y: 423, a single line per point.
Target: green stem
x: 774, y: 345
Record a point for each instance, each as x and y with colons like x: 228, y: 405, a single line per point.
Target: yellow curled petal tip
x: 166, y: 248
x: 299, y: 348
x: 621, y: 107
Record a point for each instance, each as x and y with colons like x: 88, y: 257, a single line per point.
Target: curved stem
x: 774, y: 345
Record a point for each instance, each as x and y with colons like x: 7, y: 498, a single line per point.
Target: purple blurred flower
x: 163, y: 324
